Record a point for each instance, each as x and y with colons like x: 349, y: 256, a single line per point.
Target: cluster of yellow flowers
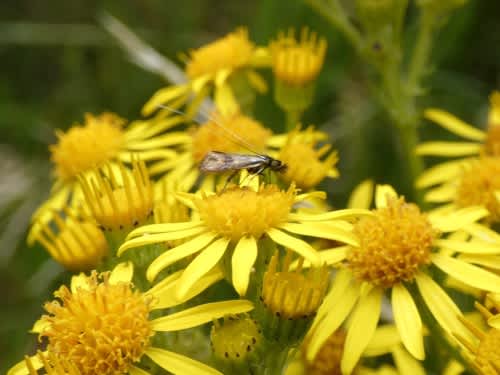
x: 287, y: 282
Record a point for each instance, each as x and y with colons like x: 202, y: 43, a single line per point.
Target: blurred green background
x: 57, y: 62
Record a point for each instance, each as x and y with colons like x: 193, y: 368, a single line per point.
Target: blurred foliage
x: 58, y: 63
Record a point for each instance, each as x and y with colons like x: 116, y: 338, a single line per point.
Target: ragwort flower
x: 396, y: 247
x: 451, y: 181
x: 214, y: 66
x: 101, y: 325
x: 101, y: 139
x: 233, y: 222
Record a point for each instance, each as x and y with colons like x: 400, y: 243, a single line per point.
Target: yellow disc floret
x: 479, y: 184
x: 86, y: 146
x: 220, y: 134
x: 101, y: 327
x: 238, y: 212
x: 230, y: 52
x: 394, y: 244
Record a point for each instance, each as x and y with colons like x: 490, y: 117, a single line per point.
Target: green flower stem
x: 274, y: 361
x: 292, y: 119
x: 335, y: 14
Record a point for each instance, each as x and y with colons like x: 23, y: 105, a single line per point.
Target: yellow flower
x: 482, y: 348
x: 78, y: 244
x: 386, y: 340
x: 237, y: 218
x: 463, y: 180
x: 101, y: 139
x: 396, y: 246
x: 101, y: 325
x: 304, y: 164
x: 119, y: 199
x: 213, y: 66
x: 297, y: 62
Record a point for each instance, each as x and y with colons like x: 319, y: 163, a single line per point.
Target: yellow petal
x: 346, y: 214
x: 361, y: 328
x: 448, y: 149
x: 159, y: 238
x: 198, y: 315
x: 163, y: 228
x: 441, y: 305
x: 443, y: 193
x: 122, y: 273
x: 322, y: 230
x: 165, y: 292
x: 134, y: 370
x: 40, y: 326
x: 342, y: 281
x: 385, y: 338
x: 225, y: 100
x: 382, y: 192
x: 407, y: 319
x: 203, y: 263
x: 468, y: 247
x: 297, y: 245
x: 494, y: 321
x: 256, y: 81
x: 79, y: 281
x: 405, y: 363
x: 485, y: 260
x: 242, y: 262
x: 173, y: 255
x: 453, y: 368
x: 332, y: 321
x: 179, y: 364
x: 467, y: 273
x: 458, y: 219
x: 441, y: 173
x: 169, y: 139
x: 162, y: 97
x: 454, y: 124
x: 482, y: 232
x: 362, y: 195
x: 20, y: 368
x: 334, y: 255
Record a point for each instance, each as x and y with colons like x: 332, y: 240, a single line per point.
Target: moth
x: 219, y: 162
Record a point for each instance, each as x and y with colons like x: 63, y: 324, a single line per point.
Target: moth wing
x: 215, y: 161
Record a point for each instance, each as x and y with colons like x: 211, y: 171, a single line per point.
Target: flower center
x: 230, y: 52
x: 239, y: 212
x: 211, y: 137
x: 84, y: 147
x: 304, y: 165
x: 394, y: 244
x: 234, y: 338
x: 478, y: 186
x: 101, y: 327
x: 327, y: 361
x: 487, y: 355
x: 293, y: 294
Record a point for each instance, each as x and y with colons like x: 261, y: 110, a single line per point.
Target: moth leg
x: 231, y: 176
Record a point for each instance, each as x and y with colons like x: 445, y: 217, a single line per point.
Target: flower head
x: 304, y: 162
x: 396, y: 246
x: 118, y: 198
x: 215, y: 65
x: 457, y: 180
x: 78, y: 244
x: 237, y: 218
x: 101, y: 324
x: 101, y: 139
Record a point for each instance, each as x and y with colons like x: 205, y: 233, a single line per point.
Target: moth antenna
x: 235, y: 137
